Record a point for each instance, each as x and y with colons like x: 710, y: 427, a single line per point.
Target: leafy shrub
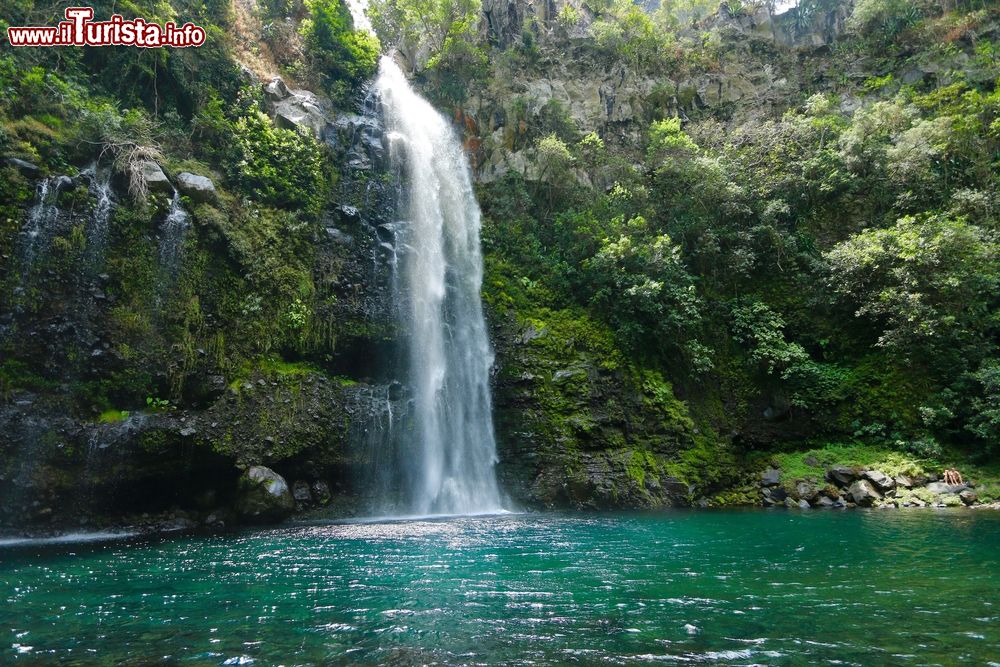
x: 280, y: 167
x: 344, y: 56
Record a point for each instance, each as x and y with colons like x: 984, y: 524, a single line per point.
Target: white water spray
x: 445, y: 463
x: 452, y: 452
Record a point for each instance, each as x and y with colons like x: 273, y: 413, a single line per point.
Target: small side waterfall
x: 40, y: 225
x: 172, y: 233
x: 98, y: 225
x: 445, y: 463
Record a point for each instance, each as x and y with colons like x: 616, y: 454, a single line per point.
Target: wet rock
x: 301, y: 493
x: 177, y: 524
x: 841, y: 475
x: 63, y: 183
x: 804, y: 505
x: 198, y: 188
x: 770, y: 477
x: 361, y: 139
x: 263, y: 496
x: 824, y: 502
x: 863, y: 493
x: 791, y: 503
x: 321, y: 492
x: 881, y: 481
x: 968, y: 497
x: 396, y: 390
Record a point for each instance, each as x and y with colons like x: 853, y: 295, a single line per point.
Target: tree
x: 344, y: 56
x: 926, y: 283
x: 643, y: 288
x: 445, y: 28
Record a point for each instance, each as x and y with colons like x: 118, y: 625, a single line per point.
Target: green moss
x: 112, y: 416
x: 793, y: 465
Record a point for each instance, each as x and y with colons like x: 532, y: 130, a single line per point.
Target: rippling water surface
x: 740, y: 588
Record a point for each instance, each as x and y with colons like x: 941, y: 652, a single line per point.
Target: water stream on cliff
x: 98, y: 225
x: 172, y: 233
x: 446, y: 462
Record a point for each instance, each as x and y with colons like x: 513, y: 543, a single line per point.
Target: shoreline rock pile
x: 846, y: 486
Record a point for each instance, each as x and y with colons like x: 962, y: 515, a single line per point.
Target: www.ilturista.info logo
x: 79, y: 30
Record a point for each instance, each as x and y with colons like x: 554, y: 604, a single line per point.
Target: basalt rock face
x: 575, y: 429
x: 75, y: 341
x: 57, y: 469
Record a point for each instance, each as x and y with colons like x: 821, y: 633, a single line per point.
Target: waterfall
x: 450, y: 452
x: 39, y: 227
x: 98, y: 225
x: 443, y: 460
x: 172, y: 233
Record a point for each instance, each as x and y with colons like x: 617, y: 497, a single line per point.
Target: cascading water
x: 452, y: 450
x: 98, y: 227
x: 39, y: 227
x: 443, y: 462
x: 171, y: 243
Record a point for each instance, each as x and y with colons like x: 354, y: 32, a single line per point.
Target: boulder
x: 24, y: 166
x: 939, y: 488
x: 791, y: 503
x: 863, y: 493
x: 806, y: 491
x: 770, y: 477
x: 154, y: 177
x: 198, y: 188
x: 881, y: 481
x: 830, y: 491
x: 321, y: 492
x: 904, y: 481
x: 301, y: 493
x: 841, y: 475
x: 276, y: 90
x: 63, y: 183
x: 296, y: 109
x: 804, y: 505
x: 968, y: 497
x: 823, y: 501
x: 263, y: 496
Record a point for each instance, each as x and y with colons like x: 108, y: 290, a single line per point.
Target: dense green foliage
x: 245, y: 286
x: 341, y: 54
x: 836, y: 272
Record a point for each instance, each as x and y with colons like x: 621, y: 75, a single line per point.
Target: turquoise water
x: 753, y: 587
